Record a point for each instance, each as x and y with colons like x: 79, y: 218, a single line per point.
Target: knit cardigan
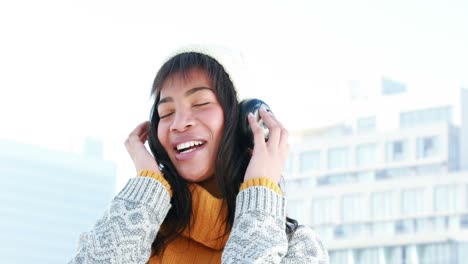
x: 129, y: 226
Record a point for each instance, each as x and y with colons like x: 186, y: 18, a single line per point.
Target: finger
x: 144, y: 136
x: 272, y: 125
x: 141, y: 128
x: 257, y: 130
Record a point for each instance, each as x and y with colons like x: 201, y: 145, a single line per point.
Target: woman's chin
x: 196, y: 177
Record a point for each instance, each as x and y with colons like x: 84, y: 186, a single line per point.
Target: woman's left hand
x: 268, y: 158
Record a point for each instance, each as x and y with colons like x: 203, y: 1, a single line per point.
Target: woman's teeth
x: 188, y: 146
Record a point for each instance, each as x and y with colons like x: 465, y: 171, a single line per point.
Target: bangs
x: 181, y: 65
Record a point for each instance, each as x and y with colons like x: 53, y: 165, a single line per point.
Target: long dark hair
x: 232, y: 157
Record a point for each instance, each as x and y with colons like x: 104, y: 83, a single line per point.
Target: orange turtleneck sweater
x: 206, y: 241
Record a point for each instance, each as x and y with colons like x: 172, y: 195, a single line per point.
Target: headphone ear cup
x: 251, y: 106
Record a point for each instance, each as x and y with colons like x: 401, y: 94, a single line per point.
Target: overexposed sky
x: 71, y: 69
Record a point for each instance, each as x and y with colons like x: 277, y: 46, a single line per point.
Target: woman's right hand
x: 135, y: 144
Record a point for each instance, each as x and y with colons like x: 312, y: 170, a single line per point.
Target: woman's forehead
x: 182, y: 81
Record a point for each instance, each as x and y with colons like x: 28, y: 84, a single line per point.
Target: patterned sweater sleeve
x: 129, y: 226
x: 259, y: 233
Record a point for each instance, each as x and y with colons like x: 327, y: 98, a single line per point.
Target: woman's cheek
x: 162, y: 133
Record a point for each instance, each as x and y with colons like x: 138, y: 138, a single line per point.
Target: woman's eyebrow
x: 196, y: 89
x: 187, y: 94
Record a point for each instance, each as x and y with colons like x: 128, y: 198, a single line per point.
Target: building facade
x: 389, y: 185
x: 48, y: 198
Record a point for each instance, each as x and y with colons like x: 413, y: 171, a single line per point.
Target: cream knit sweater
x: 126, y: 231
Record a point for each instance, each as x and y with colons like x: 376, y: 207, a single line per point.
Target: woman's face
x: 191, y: 124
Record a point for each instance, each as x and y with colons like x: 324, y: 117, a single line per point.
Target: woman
x: 215, y: 200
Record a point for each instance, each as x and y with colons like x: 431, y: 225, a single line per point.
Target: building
x: 48, y: 198
x: 389, y: 185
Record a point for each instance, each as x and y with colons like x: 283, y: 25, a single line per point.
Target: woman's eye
x: 202, y: 104
x: 165, y: 115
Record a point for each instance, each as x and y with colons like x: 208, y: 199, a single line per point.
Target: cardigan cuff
x: 259, y: 198
x: 265, y: 182
x: 157, y: 176
x: 147, y: 191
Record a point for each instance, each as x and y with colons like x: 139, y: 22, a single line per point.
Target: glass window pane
x: 339, y: 257
x: 412, y: 202
x: 383, y: 204
x: 288, y: 168
x: 397, y: 150
x: 393, y: 255
x: 436, y: 253
x: 366, y: 124
x: 426, y: 116
x: 366, y: 155
x: 427, y: 147
x: 310, y: 161
x: 338, y: 158
x: 353, y: 207
x: 323, y: 210
x: 367, y: 256
x: 445, y: 199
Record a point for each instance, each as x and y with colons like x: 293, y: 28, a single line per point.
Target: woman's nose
x: 182, y: 121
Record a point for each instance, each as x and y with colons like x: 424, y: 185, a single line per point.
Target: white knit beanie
x: 232, y: 61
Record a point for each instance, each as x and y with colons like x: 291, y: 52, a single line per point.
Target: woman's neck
x: 211, y: 185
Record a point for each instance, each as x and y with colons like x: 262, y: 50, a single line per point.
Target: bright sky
x: 71, y: 69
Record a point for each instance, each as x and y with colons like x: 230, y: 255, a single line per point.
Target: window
x: 383, y: 204
x: 412, y: 202
x: 445, y: 199
x: 289, y: 166
x: 310, y: 161
x: 454, y: 151
x: 340, y: 178
x: 299, y: 209
x: 427, y: 147
x: 353, y: 207
x: 338, y: 158
x: 365, y: 176
x: 339, y: 257
x: 367, y: 256
x: 397, y: 150
x: 366, y: 155
x: 382, y: 229
x: 393, y: 255
x: 294, y: 185
x: 466, y: 197
x: 366, y: 124
x: 399, y: 172
x: 462, y: 250
x: 436, y: 253
x: 441, y: 223
x: 393, y: 173
x: 325, y: 232
x: 405, y: 226
x: 429, y: 169
x: 426, y: 116
x: 425, y: 225
x: 323, y: 210
x: 354, y: 230
x: 390, y: 87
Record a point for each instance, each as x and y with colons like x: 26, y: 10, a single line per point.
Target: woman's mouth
x: 188, y: 149
x: 188, y: 146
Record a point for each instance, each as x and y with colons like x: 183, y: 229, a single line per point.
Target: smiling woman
x: 202, y: 197
x: 191, y: 125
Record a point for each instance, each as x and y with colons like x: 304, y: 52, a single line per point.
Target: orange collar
x: 208, y: 219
